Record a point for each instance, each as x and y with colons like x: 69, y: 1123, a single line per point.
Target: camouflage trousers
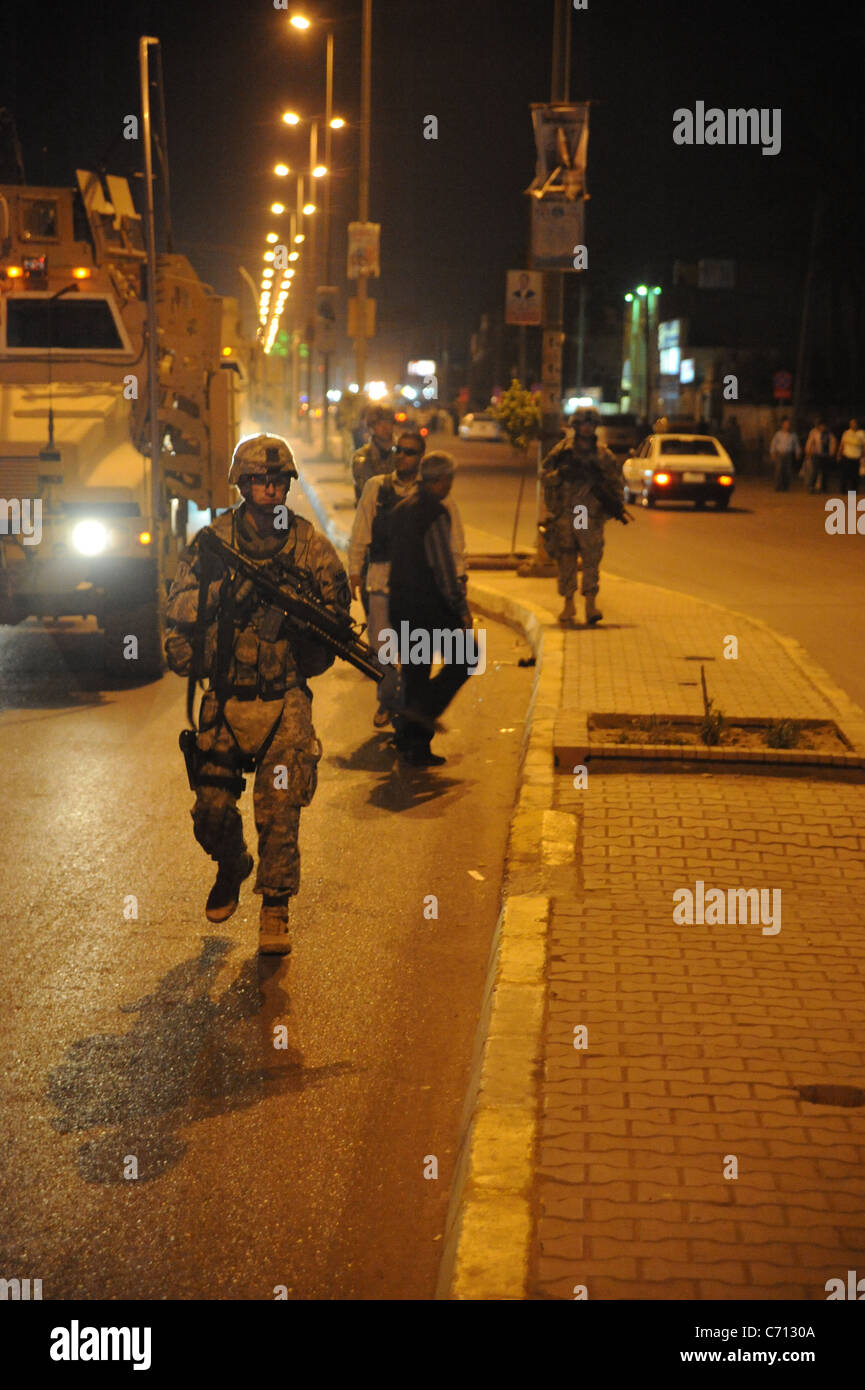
x: 589, y: 546
x: 286, y: 775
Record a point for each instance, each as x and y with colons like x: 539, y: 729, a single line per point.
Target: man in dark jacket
x: 427, y: 597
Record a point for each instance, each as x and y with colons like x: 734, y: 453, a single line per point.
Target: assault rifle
x: 572, y: 466
x: 294, y: 592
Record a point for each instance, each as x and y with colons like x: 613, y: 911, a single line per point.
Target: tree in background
x: 519, y: 414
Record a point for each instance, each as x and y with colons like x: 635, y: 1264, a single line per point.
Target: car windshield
x: 689, y: 446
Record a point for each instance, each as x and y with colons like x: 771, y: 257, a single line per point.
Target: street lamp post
x: 309, y: 297
x: 302, y: 23
x: 646, y: 303
x: 363, y: 186
x: 328, y: 140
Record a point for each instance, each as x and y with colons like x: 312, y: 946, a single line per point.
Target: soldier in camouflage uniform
x: 376, y: 456
x: 256, y: 713
x: 582, y: 485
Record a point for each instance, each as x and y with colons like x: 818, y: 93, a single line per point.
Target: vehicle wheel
x: 722, y: 503
x: 142, y: 622
x: 649, y: 499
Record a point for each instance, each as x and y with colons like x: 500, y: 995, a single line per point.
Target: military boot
x: 273, y: 926
x: 567, y: 613
x: 593, y: 612
x: 224, y: 895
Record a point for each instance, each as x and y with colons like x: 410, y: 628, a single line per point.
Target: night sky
x: 452, y: 211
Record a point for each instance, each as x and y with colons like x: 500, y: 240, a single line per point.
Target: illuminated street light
x: 642, y: 291
x: 277, y: 209
x: 319, y: 171
x: 269, y: 256
x: 272, y: 238
x: 281, y: 170
x: 308, y: 209
x: 298, y: 239
x: 629, y: 298
x: 337, y: 123
x: 299, y: 21
x: 291, y: 118
x: 294, y: 255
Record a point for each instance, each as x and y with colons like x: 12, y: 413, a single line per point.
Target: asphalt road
x: 768, y: 557
x: 148, y: 1043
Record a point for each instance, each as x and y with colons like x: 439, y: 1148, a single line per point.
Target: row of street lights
x: 272, y: 305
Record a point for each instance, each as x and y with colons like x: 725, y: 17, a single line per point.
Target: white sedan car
x: 680, y: 468
x: 482, y: 426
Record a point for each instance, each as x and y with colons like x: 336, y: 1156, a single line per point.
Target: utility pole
x: 552, y: 333
x: 363, y: 186
x: 144, y: 44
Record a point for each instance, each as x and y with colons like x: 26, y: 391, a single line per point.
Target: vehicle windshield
x: 86, y: 324
x: 689, y: 446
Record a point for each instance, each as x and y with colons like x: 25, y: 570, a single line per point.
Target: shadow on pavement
x: 188, y: 1056
x: 49, y: 666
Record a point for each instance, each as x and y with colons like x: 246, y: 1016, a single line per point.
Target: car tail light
x: 424, y: 431
x: 144, y: 538
x: 725, y: 480
x: 661, y: 478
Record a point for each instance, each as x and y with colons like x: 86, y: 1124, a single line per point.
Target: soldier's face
x: 265, y: 491
x: 383, y: 432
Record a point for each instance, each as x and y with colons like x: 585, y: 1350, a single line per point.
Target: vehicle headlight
x: 90, y: 537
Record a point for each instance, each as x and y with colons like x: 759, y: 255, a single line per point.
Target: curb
x: 490, y: 1221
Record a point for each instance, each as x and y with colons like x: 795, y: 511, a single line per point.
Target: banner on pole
x: 325, y: 318
x: 524, y: 297
x: 557, y: 229
x: 562, y: 143
x: 361, y: 326
x: 363, y: 245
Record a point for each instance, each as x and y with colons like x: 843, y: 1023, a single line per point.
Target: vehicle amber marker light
x: 725, y: 480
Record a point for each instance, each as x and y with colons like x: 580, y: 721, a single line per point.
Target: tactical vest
x: 379, y: 545
x: 253, y: 658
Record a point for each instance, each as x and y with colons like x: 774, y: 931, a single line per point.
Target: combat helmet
x: 585, y: 413
x: 261, y: 453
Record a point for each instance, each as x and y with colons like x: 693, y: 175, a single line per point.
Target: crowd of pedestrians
x: 826, y: 460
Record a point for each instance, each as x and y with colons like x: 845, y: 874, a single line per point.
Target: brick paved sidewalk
x: 703, y: 1042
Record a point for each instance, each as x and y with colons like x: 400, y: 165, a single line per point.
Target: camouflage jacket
x: 260, y: 657
x: 594, y: 482
x: 367, y: 462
